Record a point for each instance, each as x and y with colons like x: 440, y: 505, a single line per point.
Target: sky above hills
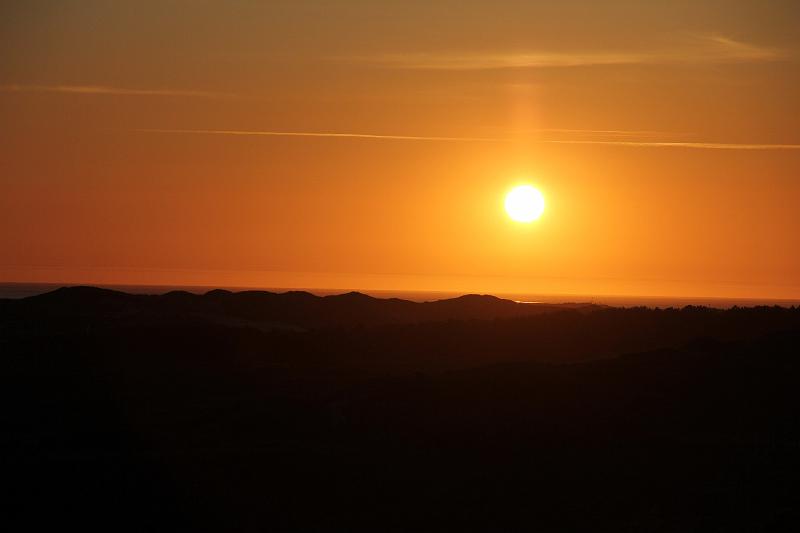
x: 370, y: 145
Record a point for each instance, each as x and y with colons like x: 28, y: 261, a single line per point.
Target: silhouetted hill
x: 187, y: 412
x: 266, y: 310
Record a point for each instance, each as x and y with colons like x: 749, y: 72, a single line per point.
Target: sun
x: 524, y: 203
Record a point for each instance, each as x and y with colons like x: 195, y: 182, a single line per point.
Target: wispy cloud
x: 701, y: 50
x: 628, y: 143
x: 103, y: 89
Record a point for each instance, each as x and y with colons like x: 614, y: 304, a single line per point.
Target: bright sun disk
x: 524, y: 203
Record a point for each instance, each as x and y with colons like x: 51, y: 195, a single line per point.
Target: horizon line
x: 335, y: 290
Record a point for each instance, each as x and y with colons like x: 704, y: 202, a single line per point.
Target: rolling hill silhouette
x: 294, y: 309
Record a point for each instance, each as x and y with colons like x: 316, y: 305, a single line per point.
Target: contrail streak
x: 102, y: 89
x: 644, y: 144
x: 326, y: 134
x: 696, y: 145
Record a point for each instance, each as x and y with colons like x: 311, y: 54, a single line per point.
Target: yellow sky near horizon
x: 369, y: 145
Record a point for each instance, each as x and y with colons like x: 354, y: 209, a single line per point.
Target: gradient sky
x: 144, y: 143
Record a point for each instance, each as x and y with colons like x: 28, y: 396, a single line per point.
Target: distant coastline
x: 15, y: 290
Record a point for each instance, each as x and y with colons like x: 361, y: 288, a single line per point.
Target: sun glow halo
x: 524, y: 203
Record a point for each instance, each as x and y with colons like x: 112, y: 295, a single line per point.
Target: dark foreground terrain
x: 265, y: 412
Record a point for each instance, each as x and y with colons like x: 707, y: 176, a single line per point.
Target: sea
x: 24, y: 290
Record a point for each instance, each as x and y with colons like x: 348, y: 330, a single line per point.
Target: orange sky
x: 126, y: 155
